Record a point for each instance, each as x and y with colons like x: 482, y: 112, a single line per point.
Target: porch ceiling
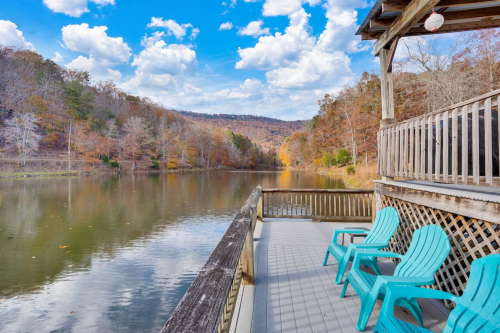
x: 389, y: 19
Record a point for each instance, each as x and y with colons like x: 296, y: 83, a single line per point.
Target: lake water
x: 115, y: 254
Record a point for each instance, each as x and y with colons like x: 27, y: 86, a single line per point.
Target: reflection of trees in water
x: 97, y: 216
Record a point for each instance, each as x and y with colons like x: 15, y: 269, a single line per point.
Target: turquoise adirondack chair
x: 384, y: 227
x: 477, y: 310
x: 428, y: 249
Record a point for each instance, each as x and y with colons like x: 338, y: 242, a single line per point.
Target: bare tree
x: 138, y: 134
x: 431, y: 59
x: 110, y: 133
x: 167, y: 136
x: 21, y: 133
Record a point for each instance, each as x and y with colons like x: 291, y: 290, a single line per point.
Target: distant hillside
x: 267, y: 132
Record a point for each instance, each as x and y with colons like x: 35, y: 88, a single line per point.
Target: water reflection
x: 94, y: 254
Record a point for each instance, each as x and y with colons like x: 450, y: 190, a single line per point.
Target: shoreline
x: 67, y: 173
x: 362, y: 179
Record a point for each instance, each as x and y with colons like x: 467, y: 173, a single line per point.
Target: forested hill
x: 267, y: 132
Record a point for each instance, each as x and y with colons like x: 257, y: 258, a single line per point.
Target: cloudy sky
x: 274, y: 58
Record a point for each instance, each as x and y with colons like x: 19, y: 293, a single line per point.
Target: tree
x: 137, y: 135
x: 89, y: 145
x: 21, y: 133
x: 110, y: 134
x: 343, y: 156
x: 329, y: 160
x: 167, y: 140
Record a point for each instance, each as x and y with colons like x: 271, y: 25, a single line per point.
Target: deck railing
x: 457, y: 144
x: 325, y: 205
x: 209, y: 303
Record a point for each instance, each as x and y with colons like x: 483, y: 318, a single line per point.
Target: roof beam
x: 399, y: 6
x: 370, y: 35
x: 479, y: 13
x: 390, y: 55
x: 394, y: 6
x: 404, y: 22
x: 465, y: 26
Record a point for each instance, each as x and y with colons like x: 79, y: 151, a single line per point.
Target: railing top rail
x: 201, y: 307
x: 452, y: 107
x: 305, y: 190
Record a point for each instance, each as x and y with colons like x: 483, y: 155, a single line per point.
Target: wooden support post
x: 247, y: 258
x: 260, y: 209
x: 387, y: 95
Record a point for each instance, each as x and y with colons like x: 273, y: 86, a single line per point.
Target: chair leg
x: 326, y: 257
x: 379, y: 328
x: 367, y: 304
x: 341, y: 269
x: 374, y: 265
x: 346, y: 284
x: 412, y: 305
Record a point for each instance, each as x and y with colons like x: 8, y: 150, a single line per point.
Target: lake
x: 115, y: 253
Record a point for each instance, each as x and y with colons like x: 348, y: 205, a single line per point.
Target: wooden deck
x: 294, y: 292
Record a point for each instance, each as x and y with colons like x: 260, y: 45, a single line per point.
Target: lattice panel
x: 470, y: 239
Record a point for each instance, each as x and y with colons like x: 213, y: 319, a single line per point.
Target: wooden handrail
x: 454, y: 106
x: 335, y: 205
x: 208, y: 304
x: 449, y: 145
x: 305, y: 190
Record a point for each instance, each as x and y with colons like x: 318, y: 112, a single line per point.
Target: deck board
x: 294, y: 292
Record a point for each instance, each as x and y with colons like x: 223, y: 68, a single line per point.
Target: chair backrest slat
x: 384, y: 227
x: 429, y: 248
x: 478, y: 309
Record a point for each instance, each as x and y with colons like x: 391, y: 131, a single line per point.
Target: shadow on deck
x: 294, y: 292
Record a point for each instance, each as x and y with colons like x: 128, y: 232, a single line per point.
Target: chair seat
x: 389, y: 324
x: 363, y: 282
x: 338, y: 251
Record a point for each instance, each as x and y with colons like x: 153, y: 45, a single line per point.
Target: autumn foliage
x: 70, y: 114
x: 429, y: 74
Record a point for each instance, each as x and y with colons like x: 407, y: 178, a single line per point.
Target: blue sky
x: 273, y: 58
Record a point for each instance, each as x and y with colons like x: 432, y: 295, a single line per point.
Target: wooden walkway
x: 294, y: 292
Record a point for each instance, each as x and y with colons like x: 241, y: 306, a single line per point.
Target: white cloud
x: 10, y: 36
x: 284, y: 7
x: 315, y: 70
x: 250, y: 89
x: 341, y: 27
x: 161, y: 58
x: 95, y: 42
x: 150, y: 41
x: 58, y: 58
x: 104, y: 51
x: 226, y: 26
x: 280, y: 50
x: 162, y: 66
x: 296, y: 60
x: 254, y: 28
x: 178, y: 30
x: 98, y: 70
x: 194, y: 33
x: 74, y: 8
x: 103, y: 2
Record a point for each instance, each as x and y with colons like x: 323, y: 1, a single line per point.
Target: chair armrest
x: 374, y: 246
x: 394, y: 292
x: 406, y: 280
x: 337, y: 232
x: 372, y: 253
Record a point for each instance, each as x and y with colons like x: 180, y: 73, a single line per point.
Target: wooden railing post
x: 260, y: 209
x: 247, y: 258
x: 440, y: 149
